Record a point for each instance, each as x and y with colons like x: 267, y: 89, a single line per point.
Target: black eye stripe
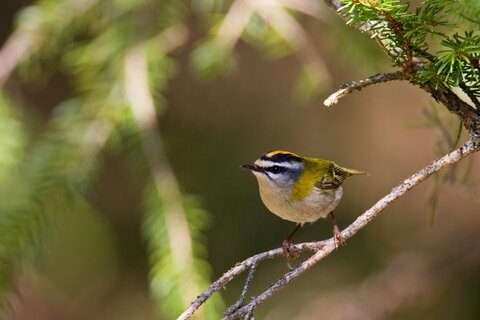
x: 276, y: 169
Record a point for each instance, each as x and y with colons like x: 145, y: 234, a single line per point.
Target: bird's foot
x: 289, y: 252
x: 338, y: 237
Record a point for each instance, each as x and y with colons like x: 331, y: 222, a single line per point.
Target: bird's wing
x: 334, y: 176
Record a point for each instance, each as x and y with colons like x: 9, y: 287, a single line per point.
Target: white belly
x: 313, y: 207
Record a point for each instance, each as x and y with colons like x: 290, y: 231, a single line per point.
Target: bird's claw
x: 289, y: 252
x: 338, y: 237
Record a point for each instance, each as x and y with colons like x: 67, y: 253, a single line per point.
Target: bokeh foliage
x: 87, y: 42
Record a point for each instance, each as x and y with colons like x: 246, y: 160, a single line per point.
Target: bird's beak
x: 251, y: 167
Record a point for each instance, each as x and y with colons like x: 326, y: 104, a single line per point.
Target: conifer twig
x: 469, y: 116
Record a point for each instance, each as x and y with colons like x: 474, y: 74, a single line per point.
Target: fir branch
x: 399, y: 29
x: 422, y: 75
x: 32, y: 35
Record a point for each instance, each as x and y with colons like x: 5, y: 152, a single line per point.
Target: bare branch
x: 241, y: 267
x: 324, y: 248
x: 360, y: 84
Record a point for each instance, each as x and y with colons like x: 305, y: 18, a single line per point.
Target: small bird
x: 300, y: 189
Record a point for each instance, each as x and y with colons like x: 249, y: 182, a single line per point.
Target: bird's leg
x: 287, y: 246
x: 337, y: 235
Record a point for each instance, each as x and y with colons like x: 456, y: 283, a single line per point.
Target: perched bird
x: 300, y: 189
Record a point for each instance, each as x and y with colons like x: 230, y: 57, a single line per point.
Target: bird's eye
x: 275, y: 169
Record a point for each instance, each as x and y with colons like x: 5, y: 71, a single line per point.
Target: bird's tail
x: 353, y: 172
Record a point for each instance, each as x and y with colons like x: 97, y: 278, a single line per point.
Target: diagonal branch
x: 324, y: 248
x: 360, y: 84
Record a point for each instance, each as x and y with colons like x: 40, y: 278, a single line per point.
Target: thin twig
x: 360, y: 84
x: 324, y: 248
x: 241, y: 300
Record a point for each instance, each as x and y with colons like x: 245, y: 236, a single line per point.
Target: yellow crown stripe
x: 271, y: 154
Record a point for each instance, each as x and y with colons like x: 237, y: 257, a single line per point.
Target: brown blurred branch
x: 295, y: 35
x: 405, y: 277
x: 360, y: 84
x: 324, y: 248
x: 15, y: 49
x: 164, y: 180
x: 276, y: 14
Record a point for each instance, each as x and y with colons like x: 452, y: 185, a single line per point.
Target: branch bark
x: 360, y: 84
x: 324, y: 248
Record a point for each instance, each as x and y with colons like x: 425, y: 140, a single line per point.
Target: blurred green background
x: 218, y: 106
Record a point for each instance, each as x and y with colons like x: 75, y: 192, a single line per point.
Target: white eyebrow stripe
x: 288, y: 165
x: 265, y: 163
